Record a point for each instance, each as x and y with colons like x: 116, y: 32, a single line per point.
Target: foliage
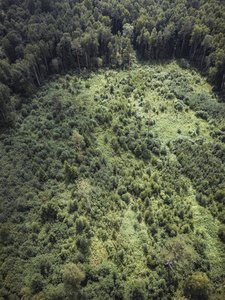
x: 179, y: 254
x: 104, y: 34
x: 101, y: 197
x: 72, y: 275
x: 197, y: 286
x: 136, y: 290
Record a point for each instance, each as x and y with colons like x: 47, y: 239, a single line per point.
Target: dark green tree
x: 197, y: 286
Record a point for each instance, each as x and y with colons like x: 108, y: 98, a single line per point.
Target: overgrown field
x: 114, y: 188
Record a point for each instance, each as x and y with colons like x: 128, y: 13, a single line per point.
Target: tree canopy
x: 39, y: 38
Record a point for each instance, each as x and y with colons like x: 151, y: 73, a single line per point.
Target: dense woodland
x: 112, y: 150
x: 45, y: 37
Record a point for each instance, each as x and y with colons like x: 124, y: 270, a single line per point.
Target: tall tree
x: 197, y: 36
x: 76, y: 47
x: 206, y: 44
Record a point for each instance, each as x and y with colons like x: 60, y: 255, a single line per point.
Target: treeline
x: 39, y: 38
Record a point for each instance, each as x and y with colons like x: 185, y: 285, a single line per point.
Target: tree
x: 4, y: 103
x: 206, y: 44
x: 9, y: 44
x: 179, y: 254
x: 22, y: 81
x: 84, y: 189
x: 32, y: 55
x: 143, y: 40
x: 169, y: 46
x: 221, y: 233
x: 72, y: 276
x: 76, y: 47
x: 128, y: 30
x: 136, y: 291
x: 89, y: 44
x: 104, y: 37
x: 216, y: 64
x: 197, y: 36
x: 64, y: 50
x: 71, y: 172
x: 127, y: 48
x: 197, y: 286
x: 153, y: 43
x: 185, y: 33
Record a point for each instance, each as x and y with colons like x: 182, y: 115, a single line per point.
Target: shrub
x: 202, y: 114
x: 178, y: 105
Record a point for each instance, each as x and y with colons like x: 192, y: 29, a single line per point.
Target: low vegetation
x: 112, y: 187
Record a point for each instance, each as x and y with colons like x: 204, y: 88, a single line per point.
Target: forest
x: 112, y: 150
x: 40, y: 38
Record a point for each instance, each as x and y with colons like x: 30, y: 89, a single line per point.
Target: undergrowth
x: 109, y: 177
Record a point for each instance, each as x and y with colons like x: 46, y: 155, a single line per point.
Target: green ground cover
x: 118, y: 180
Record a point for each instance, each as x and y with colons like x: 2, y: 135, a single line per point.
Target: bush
x: 202, y: 114
x: 178, y: 105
